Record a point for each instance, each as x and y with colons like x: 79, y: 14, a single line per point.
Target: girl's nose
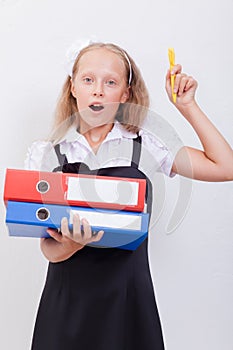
x: 98, y: 90
x: 98, y: 93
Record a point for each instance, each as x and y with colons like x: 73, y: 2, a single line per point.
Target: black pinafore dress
x: 100, y: 298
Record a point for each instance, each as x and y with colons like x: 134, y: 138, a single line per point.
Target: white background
x: 192, y: 267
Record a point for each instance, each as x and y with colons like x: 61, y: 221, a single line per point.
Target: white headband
x: 130, y: 68
x: 77, y: 46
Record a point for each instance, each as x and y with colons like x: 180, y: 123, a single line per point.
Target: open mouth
x: 96, y: 108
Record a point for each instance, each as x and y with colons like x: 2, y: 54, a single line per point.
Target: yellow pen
x: 171, y: 56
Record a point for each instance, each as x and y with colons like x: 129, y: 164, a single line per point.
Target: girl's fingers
x: 168, y: 81
x: 177, y: 72
x: 65, y: 227
x: 55, y: 234
x: 176, y: 69
x: 77, y: 234
x: 177, y: 83
x: 180, y: 89
x: 97, y: 237
x: 191, y: 83
x: 184, y: 83
x: 87, y: 230
x: 82, y: 237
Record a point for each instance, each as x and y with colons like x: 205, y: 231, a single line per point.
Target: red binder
x: 75, y: 189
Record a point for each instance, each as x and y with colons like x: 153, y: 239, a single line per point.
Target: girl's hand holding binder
x: 65, y: 243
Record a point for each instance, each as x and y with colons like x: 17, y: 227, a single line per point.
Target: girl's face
x: 99, y: 86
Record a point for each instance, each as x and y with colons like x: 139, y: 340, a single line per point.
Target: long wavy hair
x: 130, y: 114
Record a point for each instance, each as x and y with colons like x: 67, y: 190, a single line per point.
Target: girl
x: 103, y: 298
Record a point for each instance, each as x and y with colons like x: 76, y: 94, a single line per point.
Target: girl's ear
x: 125, y: 95
x: 72, y: 89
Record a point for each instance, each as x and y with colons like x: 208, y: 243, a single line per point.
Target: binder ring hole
x: 42, y: 186
x: 42, y: 214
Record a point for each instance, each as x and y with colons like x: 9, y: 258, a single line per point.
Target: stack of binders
x: 36, y: 200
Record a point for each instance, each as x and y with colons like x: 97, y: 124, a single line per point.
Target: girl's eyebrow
x: 107, y: 74
x: 85, y: 73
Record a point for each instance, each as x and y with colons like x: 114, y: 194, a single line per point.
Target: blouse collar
x: 117, y: 132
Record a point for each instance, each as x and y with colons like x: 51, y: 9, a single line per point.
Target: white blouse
x: 115, y: 150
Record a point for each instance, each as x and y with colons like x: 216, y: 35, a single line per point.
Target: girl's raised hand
x: 184, y: 86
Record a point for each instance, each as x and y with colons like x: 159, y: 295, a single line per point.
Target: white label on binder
x: 120, y: 221
x: 103, y: 191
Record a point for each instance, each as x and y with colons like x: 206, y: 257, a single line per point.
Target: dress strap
x: 137, y: 147
x: 137, y: 143
x: 61, y: 158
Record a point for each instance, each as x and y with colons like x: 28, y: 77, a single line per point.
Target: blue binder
x: 123, y: 229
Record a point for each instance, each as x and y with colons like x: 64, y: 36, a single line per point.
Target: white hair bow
x: 80, y: 44
x: 73, y: 51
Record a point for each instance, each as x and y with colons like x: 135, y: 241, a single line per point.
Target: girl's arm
x: 62, y: 245
x: 215, y: 161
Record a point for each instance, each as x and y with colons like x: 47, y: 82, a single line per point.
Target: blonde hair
x: 130, y: 115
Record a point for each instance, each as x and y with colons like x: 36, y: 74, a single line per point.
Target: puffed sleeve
x: 161, y: 144
x: 41, y: 156
x: 157, y: 156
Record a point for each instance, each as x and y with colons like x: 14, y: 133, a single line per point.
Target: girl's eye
x: 87, y: 80
x: 111, y: 82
